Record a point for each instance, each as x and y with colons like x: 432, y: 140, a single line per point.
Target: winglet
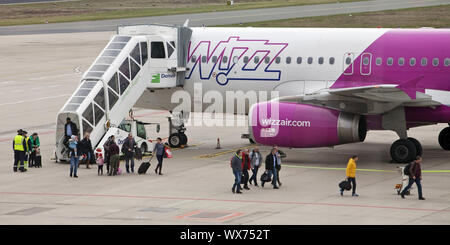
x: 410, y: 87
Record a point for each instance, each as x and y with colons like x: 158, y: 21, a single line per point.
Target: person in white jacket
x: 255, y: 162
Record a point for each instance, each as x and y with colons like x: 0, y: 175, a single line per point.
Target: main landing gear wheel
x: 444, y: 138
x: 403, y: 151
x: 175, y: 140
x: 183, y: 138
x: 418, y: 146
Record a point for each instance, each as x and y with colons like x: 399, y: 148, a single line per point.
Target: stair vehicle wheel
x: 175, y: 140
x: 418, y: 146
x: 184, y: 138
x: 444, y: 138
x: 143, y: 148
x: 403, y: 151
x: 251, y: 141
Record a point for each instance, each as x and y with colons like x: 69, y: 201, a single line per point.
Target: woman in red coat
x: 245, y: 168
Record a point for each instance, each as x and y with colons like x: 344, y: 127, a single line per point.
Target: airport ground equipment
x: 138, y: 58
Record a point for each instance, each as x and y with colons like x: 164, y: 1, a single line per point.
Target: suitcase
x: 143, y: 168
x: 38, y: 162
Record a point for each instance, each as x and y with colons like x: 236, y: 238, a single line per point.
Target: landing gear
x: 177, y: 137
x: 418, y: 146
x: 444, y: 138
x: 403, y: 151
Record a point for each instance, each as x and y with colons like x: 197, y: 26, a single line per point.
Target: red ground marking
x: 224, y: 200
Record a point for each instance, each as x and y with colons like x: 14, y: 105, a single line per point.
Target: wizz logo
x: 235, y: 59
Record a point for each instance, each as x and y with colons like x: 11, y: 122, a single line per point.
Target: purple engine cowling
x: 296, y: 125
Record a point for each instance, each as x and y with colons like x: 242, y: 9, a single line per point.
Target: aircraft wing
x: 373, y: 99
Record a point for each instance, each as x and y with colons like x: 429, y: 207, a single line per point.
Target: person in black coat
x: 86, y: 149
x: 70, y: 128
x: 128, y: 149
x: 271, y: 167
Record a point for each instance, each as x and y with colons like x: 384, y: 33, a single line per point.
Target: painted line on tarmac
x: 34, y: 100
x: 224, y: 200
x: 221, y: 153
x: 361, y: 169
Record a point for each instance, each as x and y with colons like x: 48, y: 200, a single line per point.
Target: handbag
x: 265, y: 177
x: 345, y: 185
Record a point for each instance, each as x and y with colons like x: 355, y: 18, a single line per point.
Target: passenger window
x: 112, y: 98
x: 435, y: 61
x: 348, y: 60
x: 412, y: 61
x: 320, y: 60
x: 136, y: 54
x: 225, y: 59
x: 277, y: 60
x: 424, y: 61
x: 390, y: 61
x: 86, y: 127
x: 144, y: 52
x: 193, y: 59
x: 214, y: 59
x: 267, y: 60
x: 246, y: 59
x: 100, y: 98
x: 310, y: 60
x: 401, y: 61
x: 447, y: 62
x: 256, y: 59
x: 288, y: 60
x: 299, y: 60
x: 113, y: 83
x: 134, y: 69
x: 99, y: 113
x: 170, y: 49
x: 123, y: 83
x: 157, y: 50
x: 331, y: 60
x: 366, y: 61
x: 379, y: 61
x: 88, y: 114
x: 125, y: 69
x: 203, y: 59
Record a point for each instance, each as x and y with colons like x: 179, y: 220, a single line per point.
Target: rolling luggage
x: 143, y: 168
x: 38, y: 162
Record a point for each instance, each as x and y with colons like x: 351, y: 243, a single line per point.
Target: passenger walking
x: 86, y: 149
x: 159, y: 150
x: 114, y: 158
x: 100, y: 163
x: 128, y: 149
x: 255, y: 161
x: 245, y: 167
x: 110, y: 140
x: 278, y: 167
x: 236, y: 166
x: 351, y: 174
x: 271, y: 167
x: 74, y: 156
x: 34, y: 140
x: 27, y: 149
x: 70, y: 128
x: 19, y: 146
x: 415, y: 176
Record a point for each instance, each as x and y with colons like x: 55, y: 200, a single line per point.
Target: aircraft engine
x: 296, y: 125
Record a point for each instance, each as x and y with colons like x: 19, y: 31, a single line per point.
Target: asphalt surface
x: 12, y: 2
x: 42, y: 71
x: 223, y: 18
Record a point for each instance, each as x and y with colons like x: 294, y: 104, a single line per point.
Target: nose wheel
x: 176, y: 140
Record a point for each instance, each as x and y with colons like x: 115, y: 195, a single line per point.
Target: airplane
x: 333, y: 84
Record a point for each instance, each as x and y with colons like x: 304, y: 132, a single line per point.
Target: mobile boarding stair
x: 120, y: 75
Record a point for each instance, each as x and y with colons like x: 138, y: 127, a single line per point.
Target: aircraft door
x: 365, y: 64
x: 162, y: 58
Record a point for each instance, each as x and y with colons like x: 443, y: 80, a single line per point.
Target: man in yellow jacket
x: 351, y: 174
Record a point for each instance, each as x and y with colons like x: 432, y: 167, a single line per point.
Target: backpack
x: 406, y: 169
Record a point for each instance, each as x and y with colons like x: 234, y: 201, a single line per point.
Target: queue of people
x: 243, y: 161
x: 26, y: 151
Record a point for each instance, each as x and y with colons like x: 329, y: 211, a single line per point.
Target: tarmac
x: 41, y: 72
x: 225, y: 17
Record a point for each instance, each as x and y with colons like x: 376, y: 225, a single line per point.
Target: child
x: 100, y: 163
x: 73, y: 156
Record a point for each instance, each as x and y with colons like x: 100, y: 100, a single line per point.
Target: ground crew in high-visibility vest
x: 19, y: 146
